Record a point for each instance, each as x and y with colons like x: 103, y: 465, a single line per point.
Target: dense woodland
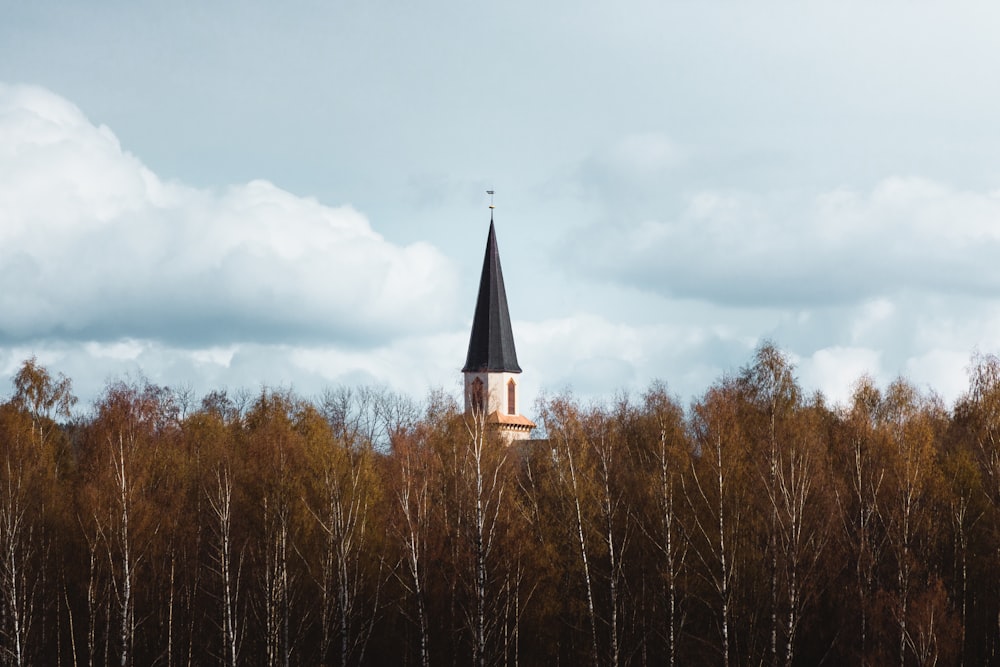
x: 758, y: 525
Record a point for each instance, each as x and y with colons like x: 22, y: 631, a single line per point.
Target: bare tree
x: 669, y: 458
x: 30, y: 465
x: 908, y: 420
x: 978, y: 412
x: 484, y: 470
x: 220, y: 500
x: 771, y: 388
x: 802, y: 527
x: 562, y: 423
x: 17, y: 552
x: 132, y: 420
x: 349, y: 583
x: 369, y: 414
x: 413, y: 500
x: 714, y: 493
x: 967, y: 507
x: 865, y: 471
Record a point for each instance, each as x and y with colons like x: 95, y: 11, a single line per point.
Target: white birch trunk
x: 221, y: 504
x: 124, y: 587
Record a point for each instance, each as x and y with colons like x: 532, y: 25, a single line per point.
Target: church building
x: 491, y: 372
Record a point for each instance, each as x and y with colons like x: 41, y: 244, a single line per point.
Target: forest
x: 757, y: 525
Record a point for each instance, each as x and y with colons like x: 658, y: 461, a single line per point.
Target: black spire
x: 491, y: 346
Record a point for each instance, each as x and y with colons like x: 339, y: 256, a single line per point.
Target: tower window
x: 477, y: 395
x: 511, y: 398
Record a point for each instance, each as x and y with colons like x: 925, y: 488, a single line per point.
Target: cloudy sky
x: 236, y: 194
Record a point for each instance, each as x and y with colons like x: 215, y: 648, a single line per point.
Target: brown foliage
x: 757, y: 526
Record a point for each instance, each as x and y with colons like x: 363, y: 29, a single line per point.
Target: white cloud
x: 95, y: 247
x: 870, y: 316
x: 693, y: 347
x: 105, y: 268
x: 835, y: 370
x: 942, y: 371
x: 843, y: 246
x: 595, y: 357
x: 409, y: 365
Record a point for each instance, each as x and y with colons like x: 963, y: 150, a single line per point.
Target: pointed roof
x: 491, y: 346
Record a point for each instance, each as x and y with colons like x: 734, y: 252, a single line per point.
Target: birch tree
x: 415, y: 466
x: 275, y: 452
x: 30, y: 468
x: 131, y: 423
x: 715, y: 492
x: 343, y: 501
x: 977, y: 414
x: 563, y: 425
x: 669, y: 456
x: 227, y: 561
x: 909, y: 421
x: 485, y: 474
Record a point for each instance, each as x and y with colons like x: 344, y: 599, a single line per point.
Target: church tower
x: 491, y: 371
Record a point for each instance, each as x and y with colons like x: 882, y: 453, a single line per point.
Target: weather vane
x: 490, y: 193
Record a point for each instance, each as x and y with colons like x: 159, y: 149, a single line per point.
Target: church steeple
x: 491, y: 371
x: 491, y: 346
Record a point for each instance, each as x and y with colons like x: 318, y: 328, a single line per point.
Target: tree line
x: 759, y: 525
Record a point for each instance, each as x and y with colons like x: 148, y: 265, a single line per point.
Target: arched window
x: 511, y: 398
x: 478, y: 404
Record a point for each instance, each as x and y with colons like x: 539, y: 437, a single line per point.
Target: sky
x: 246, y: 194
